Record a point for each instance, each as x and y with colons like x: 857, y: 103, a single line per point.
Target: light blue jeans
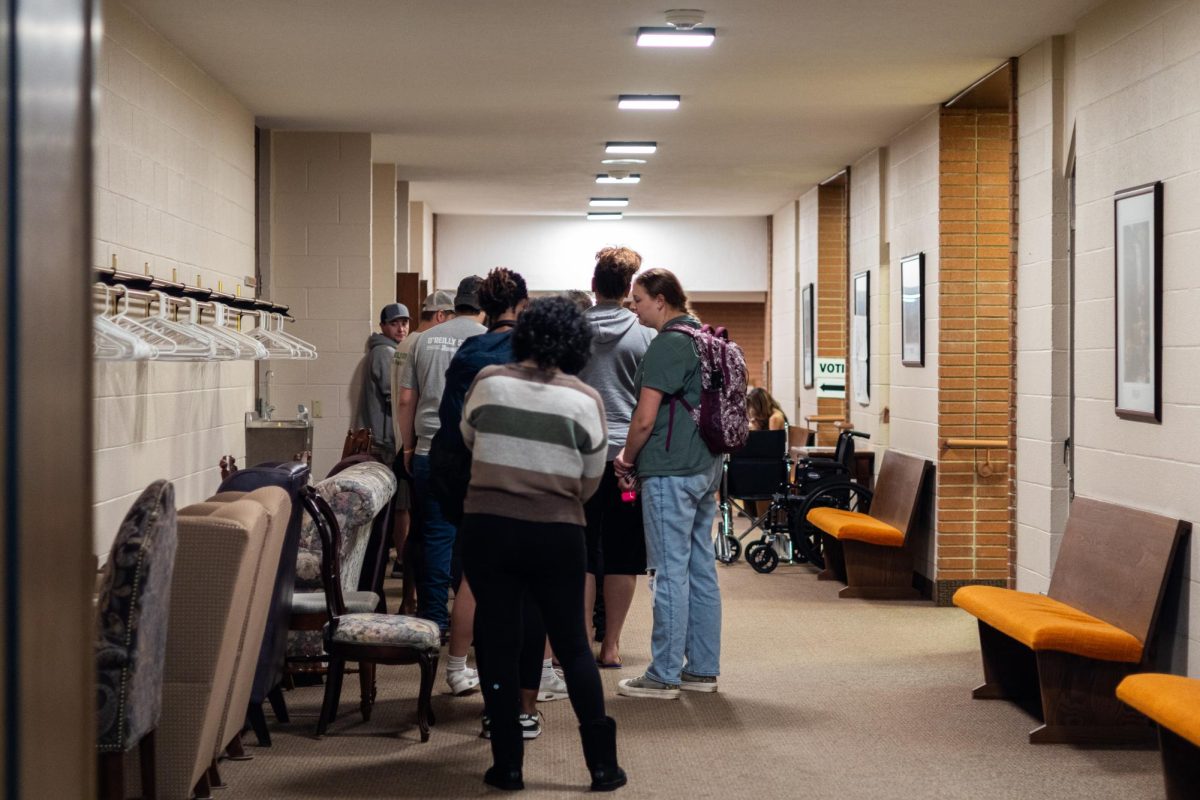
x: 678, y: 515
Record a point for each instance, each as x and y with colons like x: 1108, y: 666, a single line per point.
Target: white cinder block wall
x: 785, y: 316
x: 867, y: 252
x: 174, y: 189
x: 1130, y: 72
x: 806, y: 266
x: 321, y: 267
x: 385, y: 244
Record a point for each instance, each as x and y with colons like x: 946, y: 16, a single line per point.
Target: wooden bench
x: 1061, y: 655
x: 868, y: 551
x: 1173, y: 702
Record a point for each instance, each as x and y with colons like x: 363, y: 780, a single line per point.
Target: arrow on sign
x: 832, y: 387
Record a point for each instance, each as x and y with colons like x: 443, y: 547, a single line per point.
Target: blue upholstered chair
x: 131, y: 638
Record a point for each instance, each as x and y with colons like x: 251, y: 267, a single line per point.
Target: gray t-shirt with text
x: 425, y: 372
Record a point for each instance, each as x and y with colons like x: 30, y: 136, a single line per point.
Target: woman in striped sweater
x: 539, y: 442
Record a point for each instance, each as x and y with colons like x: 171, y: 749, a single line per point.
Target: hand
x: 620, y: 466
x: 627, y: 483
x: 408, y: 454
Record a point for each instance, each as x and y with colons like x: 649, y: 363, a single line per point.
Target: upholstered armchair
x: 131, y: 638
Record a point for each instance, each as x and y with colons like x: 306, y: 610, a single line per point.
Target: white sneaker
x: 462, y: 681
x: 553, y: 687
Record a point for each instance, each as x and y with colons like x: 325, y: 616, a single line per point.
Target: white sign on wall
x: 831, y: 377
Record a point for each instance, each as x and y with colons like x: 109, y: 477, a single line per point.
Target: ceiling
x: 503, y: 107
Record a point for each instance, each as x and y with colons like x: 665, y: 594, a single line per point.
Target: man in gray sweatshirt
x: 375, y: 406
x: 615, y: 537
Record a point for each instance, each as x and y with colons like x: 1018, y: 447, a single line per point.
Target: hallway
x: 820, y: 698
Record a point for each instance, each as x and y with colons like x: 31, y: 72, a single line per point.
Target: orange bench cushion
x: 1170, y: 700
x: 852, y: 525
x: 1043, y: 623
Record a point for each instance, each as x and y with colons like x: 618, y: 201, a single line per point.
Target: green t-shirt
x: 672, y: 366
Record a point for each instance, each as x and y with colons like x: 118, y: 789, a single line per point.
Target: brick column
x: 975, y: 539
x: 833, y: 281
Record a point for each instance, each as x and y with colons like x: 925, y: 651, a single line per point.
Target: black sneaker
x: 531, y: 726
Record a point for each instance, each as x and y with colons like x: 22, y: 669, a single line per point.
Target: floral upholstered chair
x: 357, y: 495
x: 131, y: 637
x: 368, y: 638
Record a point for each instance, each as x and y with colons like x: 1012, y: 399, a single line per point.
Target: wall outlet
x: 316, y: 407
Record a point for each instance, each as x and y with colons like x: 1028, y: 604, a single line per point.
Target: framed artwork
x: 1138, y: 275
x: 807, y: 337
x: 860, y: 341
x: 912, y: 310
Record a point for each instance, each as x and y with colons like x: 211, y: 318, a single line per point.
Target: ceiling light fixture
x: 608, y: 202
x: 604, y: 216
x: 648, y: 102
x: 636, y: 148
x: 616, y: 162
x: 682, y: 31
x: 619, y: 177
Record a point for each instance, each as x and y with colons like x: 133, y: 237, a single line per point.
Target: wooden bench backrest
x: 898, y: 489
x: 1114, y: 563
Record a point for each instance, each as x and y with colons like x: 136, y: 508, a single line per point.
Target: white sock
x: 548, y: 668
x: 455, y: 663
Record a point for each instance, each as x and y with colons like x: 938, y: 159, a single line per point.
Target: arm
x: 466, y: 425
x: 639, y: 429
x: 776, y: 422
x: 406, y: 412
x: 595, y: 454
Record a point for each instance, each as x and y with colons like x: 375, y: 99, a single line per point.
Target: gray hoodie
x: 375, y: 407
x: 618, y: 343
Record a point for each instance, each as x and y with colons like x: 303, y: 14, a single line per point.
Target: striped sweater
x: 539, y: 444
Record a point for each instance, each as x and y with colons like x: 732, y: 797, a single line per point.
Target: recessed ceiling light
x: 674, y: 37
x: 637, y: 148
x: 616, y: 162
x: 648, y: 102
x: 608, y: 202
x: 614, y: 177
x: 604, y: 216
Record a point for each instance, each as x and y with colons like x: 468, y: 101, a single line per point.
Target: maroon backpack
x: 722, y: 419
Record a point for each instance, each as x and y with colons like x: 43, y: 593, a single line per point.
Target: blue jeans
x: 438, y: 534
x: 678, y: 515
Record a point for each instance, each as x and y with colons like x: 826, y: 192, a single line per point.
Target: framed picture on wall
x: 807, y: 338
x: 1138, y: 275
x: 860, y: 341
x: 912, y: 310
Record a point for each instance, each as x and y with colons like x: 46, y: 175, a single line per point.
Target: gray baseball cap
x: 468, y: 292
x: 392, y: 312
x: 440, y: 300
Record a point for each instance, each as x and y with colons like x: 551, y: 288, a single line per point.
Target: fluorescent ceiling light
x: 604, y: 216
x: 635, y: 148
x: 671, y: 37
x: 634, y: 178
x: 608, y: 202
x: 616, y: 162
x: 649, y: 102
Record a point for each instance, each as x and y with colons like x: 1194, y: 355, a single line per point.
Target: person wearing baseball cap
x: 375, y: 406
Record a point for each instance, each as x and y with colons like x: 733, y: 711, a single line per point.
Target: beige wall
x: 321, y: 267
x: 385, y: 245
x: 420, y: 240
x: 174, y: 188
x: 1130, y: 73
x: 785, y: 316
x: 806, y: 266
x: 868, y: 251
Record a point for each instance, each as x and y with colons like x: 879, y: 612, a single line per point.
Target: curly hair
x: 553, y: 333
x: 501, y: 290
x: 615, y: 268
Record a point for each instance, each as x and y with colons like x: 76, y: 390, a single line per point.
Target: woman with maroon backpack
x: 678, y: 474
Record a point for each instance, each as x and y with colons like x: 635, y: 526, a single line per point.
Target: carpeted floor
x: 820, y: 698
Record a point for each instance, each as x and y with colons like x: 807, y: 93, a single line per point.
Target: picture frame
x: 912, y: 310
x: 1137, y: 277
x: 860, y: 338
x: 807, y: 337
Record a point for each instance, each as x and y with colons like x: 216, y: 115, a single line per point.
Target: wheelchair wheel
x: 806, y: 539
x: 732, y: 548
x: 762, y: 558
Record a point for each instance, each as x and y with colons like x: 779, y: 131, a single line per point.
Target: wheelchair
x: 763, y: 471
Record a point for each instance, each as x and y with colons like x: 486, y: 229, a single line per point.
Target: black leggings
x: 507, y: 561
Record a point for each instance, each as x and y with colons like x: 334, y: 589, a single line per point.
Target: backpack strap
x: 691, y: 333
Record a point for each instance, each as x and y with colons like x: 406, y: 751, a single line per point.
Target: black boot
x: 508, y: 753
x: 600, y: 753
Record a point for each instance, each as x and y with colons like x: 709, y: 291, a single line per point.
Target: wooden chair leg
x: 234, y: 751
x: 214, y: 776
x: 1079, y: 701
x: 147, y: 766
x: 258, y: 723
x: 1009, y: 671
x: 203, y: 791
x: 110, y: 768
x: 366, y: 688
x: 835, y: 561
x: 428, y: 663
x: 278, y: 704
x: 333, y: 694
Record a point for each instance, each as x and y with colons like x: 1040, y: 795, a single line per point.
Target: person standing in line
x: 615, y: 535
x: 422, y: 382
x: 679, y: 477
x: 437, y: 308
x: 538, y: 438
x: 375, y: 404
